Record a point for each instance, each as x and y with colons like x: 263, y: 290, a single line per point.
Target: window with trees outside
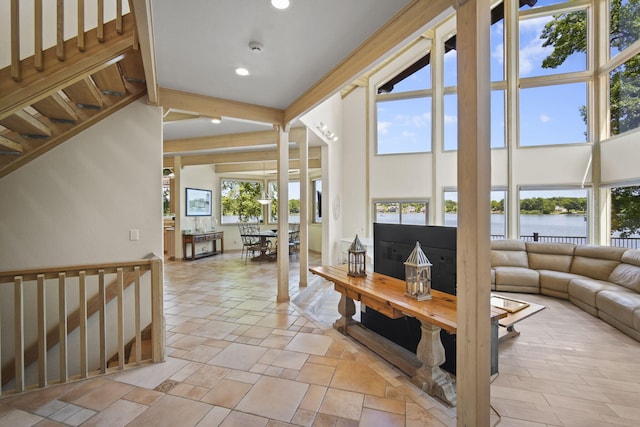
x: 548, y: 213
x: 239, y: 201
x: 402, y: 212
x: 498, y: 214
x: 625, y: 216
x: 294, y: 202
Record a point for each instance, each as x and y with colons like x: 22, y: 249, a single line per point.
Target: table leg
x: 511, y: 332
x: 347, y: 309
x: 429, y: 377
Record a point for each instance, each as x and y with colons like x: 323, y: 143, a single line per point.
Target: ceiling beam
x: 210, y: 106
x: 243, y: 157
x: 259, y: 166
x: 403, y: 27
x: 247, y: 139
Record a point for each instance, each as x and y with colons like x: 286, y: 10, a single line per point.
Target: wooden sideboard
x: 193, y: 238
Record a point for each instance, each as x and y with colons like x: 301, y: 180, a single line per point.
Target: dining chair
x: 294, y: 238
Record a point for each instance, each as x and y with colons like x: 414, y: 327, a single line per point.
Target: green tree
x: 567, y: 33
x: 450, y: 206
x: 625, y: 210
x: 240, y: 198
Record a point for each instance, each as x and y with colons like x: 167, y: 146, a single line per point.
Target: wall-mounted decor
x: 197, y: 202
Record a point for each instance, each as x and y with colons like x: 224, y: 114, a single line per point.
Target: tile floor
x: 236, y: 358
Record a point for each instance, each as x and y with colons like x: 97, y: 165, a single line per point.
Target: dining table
x: 264, y: 236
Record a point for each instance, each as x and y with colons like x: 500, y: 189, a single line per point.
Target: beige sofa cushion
x: 586, y: 290
x: 636, y: 319
x: 627, y: 273
x: 509, y: 253
x: 619, y: 304
x: 550, y: 256
x: 516, y: 279
x: 556, y: 283
x: 596, y: 262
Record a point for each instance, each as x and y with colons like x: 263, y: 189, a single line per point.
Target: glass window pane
x: 625, y: 216
x: 451, y: 208
x: 542, y: 3
x: 414, y: 213
x: 418, y: 80
x: 451, y: 121
x: 553, y: 213
x: 624, y: 24
x: 553, y: 44
x: 239, y: 201
x: 450, y: 67
x: 553, y: 114
x: 317, y: 200
x: 294, y: 201
x: 404, y: 126
x: 624, y: 96
x: 496, y: 38
x: 498, y: 220
x: 387, y: 213
x: 497, y: 119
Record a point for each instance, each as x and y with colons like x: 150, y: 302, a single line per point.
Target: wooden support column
x: 177, y: 197
x: 474, y: 185
x: 303, y: 249
x: 283, y: 214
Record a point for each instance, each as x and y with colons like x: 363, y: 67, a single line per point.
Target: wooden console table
x: 386, y: 295
x: 194, y: 238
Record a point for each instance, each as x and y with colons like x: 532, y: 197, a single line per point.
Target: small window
x: 624, y: 96
x: 553, y: 215
x: 317, y: 200
x: 409, y: 212
x: 498, y: 213
x: 624, y: 30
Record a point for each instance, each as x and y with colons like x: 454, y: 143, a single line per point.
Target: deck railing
x: 91, y: 313
x: 619, y: 242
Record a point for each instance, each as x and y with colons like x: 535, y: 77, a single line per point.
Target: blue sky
x: 548, y: 114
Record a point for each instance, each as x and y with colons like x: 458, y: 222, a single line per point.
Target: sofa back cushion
x: 596, y: 262
x: 550, y: 256
x: 509, y: 253
x: 627, y: 273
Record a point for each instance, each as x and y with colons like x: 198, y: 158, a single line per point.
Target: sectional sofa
x: 603, y: 281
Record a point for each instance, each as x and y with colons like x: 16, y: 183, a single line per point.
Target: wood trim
x: 80, y: 40
x: 57, y: 75
x: 248, y: 139
x: 15, y: 42
x: 37, y: 37
x: 210, y: 106
x: 405, y: 25
x: 143, y: 39
x: 243, y: 157
x: 60, y: 45
x: 257, y: 166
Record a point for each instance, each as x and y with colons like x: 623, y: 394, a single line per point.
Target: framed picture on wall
x: 197, y: 202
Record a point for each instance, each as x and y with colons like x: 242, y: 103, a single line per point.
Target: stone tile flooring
x: 237, y: 358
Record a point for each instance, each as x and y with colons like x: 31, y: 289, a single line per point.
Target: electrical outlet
x: 134, y: 234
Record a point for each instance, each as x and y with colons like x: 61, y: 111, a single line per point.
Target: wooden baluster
x: 119, y: 294
x: 80, y: 39
x: 37, y: 28
x: 136, y: 271
x: 62, y: 327
x: 18, y: 334
x: 15, y: 40
x: 119, y: 16
x: 84, y: 370
x: 42, y: 332
x: 60, y: 30
x: 102, y: 315
x: 157, y: 311
x: 100, y: 27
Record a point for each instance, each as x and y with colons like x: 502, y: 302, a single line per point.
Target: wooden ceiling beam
x: 258, y: 166
x: 246, y: 156
x: 213, y: 107
x: 247, y: 139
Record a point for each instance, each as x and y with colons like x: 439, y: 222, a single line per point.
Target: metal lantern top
x: 357, y: 246
x: 417, y: 258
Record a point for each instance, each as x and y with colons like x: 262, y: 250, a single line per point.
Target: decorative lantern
x: 418, y: 275
x: 357, y: 255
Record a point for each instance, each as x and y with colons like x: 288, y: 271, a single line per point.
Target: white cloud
x: 544, y: 118
x: 450, y: 120
x: 408, y: 134
x: 498, y: 53
x: 383, y: 127
x: 531, y: 51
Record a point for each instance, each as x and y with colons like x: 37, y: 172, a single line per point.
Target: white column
x: 179, y: 206
x: 474, y: 186
x: 303, y: 250
x: 283, y: 214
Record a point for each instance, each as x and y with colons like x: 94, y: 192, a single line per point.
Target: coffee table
x: 517, y: 310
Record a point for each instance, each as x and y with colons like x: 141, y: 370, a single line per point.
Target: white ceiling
x: 199, y: 43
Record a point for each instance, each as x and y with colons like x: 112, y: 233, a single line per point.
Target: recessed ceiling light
x: 280, y: 4
x: 216, y: 120
x: 241, y: 71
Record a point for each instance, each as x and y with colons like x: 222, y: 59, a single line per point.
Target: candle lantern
x: 418, y: 275
x: 356, y: 259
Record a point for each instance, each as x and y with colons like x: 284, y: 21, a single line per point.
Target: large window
x: 624, y: 27
x: 545, y: 213
x: 498, y: 212
x: 624, y: 96
x: 404, y: 125
x: 405, y: 212
x: 239, y: 201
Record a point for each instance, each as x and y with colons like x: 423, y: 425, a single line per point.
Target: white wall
x: 77, y: 203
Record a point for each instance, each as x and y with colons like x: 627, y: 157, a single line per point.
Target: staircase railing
x: 89, y: 312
